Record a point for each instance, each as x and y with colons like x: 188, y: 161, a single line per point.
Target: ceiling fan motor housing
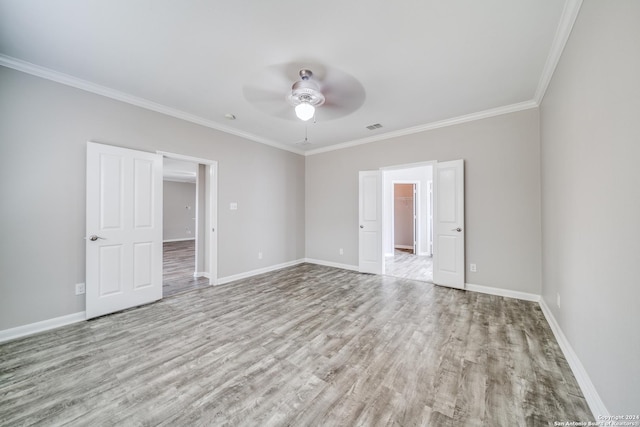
x: 306, y: 90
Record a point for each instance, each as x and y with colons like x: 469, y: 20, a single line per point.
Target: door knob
x: 362, y: 226
x: 93, y: 238
x: 457, y: 229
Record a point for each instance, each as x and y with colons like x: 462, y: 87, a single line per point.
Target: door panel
x: 369, y: 254
x: 110, y: 265
x: 142, y: 265
x: 447, y: 245
x: 143, y: 192
x: 124, y: 213
x: 369, y: 201
x: 448, y: 222
x: 370, y: 223
x: 110, y: 187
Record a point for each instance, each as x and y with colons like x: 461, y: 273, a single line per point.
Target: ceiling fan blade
x: 343, y: 95
x: 268, y: 101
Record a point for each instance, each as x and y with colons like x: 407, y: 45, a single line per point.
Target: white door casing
x: 448, y: 224
x: 370, y: 222
x: 124, y: 216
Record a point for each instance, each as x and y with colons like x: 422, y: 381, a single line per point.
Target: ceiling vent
x: 374, y: 126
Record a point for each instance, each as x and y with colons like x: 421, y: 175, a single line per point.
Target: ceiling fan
x: 305, y: 96
x: 311, y: 89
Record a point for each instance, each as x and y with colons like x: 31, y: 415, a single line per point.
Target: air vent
x: 374, y: 126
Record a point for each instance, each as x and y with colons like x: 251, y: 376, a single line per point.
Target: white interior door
x: 370, y: 223
x: 448, y: 224
x: 124, y: 229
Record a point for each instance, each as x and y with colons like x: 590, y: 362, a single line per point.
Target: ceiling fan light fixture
x: 305, y: 111
x: 305, y: 96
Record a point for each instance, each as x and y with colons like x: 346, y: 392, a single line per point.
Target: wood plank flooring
x: 306, y: 345
x: 409, y: 266
x: 178, y: 265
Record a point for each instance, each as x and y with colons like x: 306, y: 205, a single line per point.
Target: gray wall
x: 502, y: 195
x: 44, y: 127
x: 178, y: 210
x: 590, y: 133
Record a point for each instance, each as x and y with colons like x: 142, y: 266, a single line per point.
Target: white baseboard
x: 45, y: 325
x: 233, y: 278
x: 179, y: 240
x: 502, y: 292
x: 588, y: 389
x: 332, y: 264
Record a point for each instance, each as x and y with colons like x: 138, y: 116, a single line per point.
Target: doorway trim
x: 211, y: 219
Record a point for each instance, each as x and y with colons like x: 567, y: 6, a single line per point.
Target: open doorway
x: 189, y: 222
x: 404, y: 217
x: 444, y: 220
x: 407, y: 222
x: 181, y: 203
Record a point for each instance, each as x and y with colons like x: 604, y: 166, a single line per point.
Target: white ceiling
x: 419, y: 62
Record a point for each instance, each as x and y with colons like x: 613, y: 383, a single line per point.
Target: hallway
x: 406, y: 265
x: 178, y: 266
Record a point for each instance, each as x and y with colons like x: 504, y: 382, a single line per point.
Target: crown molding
x: 565, y: 25
x: 567, y: 20
x: 66, y: 79
x: 429, y: 126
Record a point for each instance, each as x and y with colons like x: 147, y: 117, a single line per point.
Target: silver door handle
x: 362, y: 226
x: 93, y: 238
x: 457, y: 229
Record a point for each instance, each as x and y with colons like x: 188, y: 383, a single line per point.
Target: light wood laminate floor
x: 409, y: 266
x: 178, y: 266
x: 306, y: 345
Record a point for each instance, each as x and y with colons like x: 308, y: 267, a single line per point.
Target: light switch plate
x: 233, y: 206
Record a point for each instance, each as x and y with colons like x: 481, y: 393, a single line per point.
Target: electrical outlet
x: 79, y: 288
x: 558, y: 299
x: 259, y: 255
x: 233, y: 206
x: 341, y: 251
x: 473, y: 267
